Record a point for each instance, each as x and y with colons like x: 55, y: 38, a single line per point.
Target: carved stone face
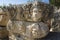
x: 37, y: 30
x: 37, y: 14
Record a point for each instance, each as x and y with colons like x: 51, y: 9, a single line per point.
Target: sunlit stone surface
x: 29, y: 21
x: 28, y: 29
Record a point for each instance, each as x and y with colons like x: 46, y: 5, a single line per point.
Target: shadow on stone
x: 51, y: 36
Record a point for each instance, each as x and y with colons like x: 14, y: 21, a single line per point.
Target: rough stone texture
x: 27, y: 29
x: 32, y: 21
x: 56, y: 22
x: 33, y: 12
x: 28, y: 14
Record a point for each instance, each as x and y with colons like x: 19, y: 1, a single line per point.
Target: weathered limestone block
x: 29, y: 21
x: 38, y: 11
x: 31, y: 12
x: 16, y: 26
x: 28, y: 30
